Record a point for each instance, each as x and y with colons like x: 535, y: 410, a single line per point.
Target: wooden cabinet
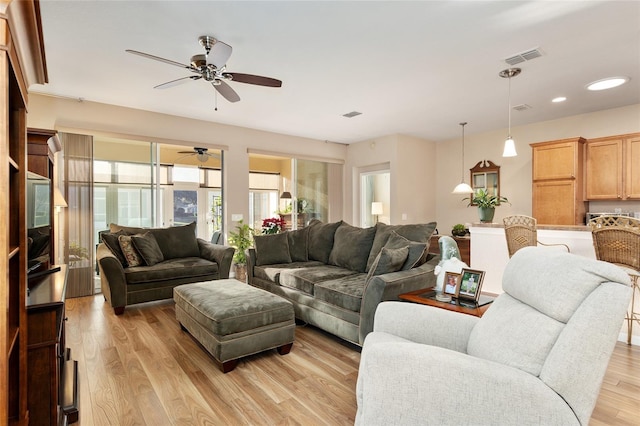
x: 612, y: 171
x: 464, y: 247
x: 21, y: 64
x: 557, y: 192
x: 52, y: 382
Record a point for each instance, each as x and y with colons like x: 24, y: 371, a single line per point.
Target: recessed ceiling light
x: 559, y: 99
x: 607, y: 83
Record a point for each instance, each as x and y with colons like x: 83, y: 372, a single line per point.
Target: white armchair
x: 537, y: 356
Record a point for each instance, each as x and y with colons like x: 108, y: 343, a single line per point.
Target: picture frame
x: 451, y: 284
x: 470, y: 284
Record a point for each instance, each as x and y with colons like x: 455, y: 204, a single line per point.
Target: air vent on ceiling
x: 351, y: 114
x: 523, y: 56
x: 522, y: 107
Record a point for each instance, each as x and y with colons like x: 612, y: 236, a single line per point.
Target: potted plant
x: 458, y: 230
x: 486, y: 203
x: 241, y: 240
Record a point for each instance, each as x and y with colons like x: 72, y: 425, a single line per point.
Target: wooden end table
x: 427, y: 296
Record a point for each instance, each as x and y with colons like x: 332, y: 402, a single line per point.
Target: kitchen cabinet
x: 612, y: 171
x: 558, y: 182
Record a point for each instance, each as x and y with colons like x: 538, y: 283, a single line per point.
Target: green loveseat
x: 154, y: 261
x: 336, y: 274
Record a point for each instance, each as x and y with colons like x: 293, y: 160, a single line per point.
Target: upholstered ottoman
x: 232, y: 319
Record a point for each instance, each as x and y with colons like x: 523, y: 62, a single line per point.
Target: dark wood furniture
x: 464, y: 246
x: 426, y: 296
x: 52, y: 391
x: 22, y: 64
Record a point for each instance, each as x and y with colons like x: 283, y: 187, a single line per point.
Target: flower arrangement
x: 273, y: 225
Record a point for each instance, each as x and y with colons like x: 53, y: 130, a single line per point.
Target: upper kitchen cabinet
x: 612, y: 171
x: 558, y: 182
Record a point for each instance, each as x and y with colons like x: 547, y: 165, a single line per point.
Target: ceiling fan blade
x: 255, y: 79
x: 220, y: 53
x: 226, y: 91
x: 158, y: 58
x: 177, y: 82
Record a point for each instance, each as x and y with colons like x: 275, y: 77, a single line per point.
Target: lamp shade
x: 376, y: 208
x: 58, y: 199
x: 509, y: 148
x: 462, y: 188
x: 286, y: 195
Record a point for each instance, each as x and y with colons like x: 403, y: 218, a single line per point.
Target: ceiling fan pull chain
x: 216, y: 100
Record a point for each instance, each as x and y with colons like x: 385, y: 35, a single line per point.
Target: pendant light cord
x: 462, y: 169
x: 509, y: 107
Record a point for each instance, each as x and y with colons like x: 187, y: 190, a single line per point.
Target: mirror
x: 486, y: 175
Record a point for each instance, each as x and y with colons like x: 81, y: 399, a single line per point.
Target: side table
x: 427, y: 296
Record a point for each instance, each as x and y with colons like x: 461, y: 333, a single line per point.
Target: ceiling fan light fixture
x: 202, y: 157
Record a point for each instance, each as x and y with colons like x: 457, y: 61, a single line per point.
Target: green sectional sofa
x: 140, y: 265
x: 336, y: 274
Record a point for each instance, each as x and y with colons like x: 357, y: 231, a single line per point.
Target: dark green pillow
x: 387, y: 261
x: 321, y: 239
x: 111, y: 241
x: 351, y: 247
x: 177, y: 241
x: 416, y: 250
x: 299, y: 244
x: 128, y: 230
x: 271, y: 249
x: 413, y: 232
x: 148, y: 248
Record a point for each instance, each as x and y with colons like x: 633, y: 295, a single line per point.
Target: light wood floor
x: 140, y: 368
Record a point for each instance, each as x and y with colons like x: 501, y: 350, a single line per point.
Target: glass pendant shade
x: 462, y: 188
x: 509, y: 148
x: 509, y: 144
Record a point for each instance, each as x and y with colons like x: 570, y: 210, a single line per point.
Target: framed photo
x: 451, y: 283
x: 470, y: 284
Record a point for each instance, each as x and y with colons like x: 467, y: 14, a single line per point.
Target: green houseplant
x: 458, y: 230
x: 486, y: 203
x: 241, y: 240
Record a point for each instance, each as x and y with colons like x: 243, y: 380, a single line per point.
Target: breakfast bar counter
x: 489, y: 247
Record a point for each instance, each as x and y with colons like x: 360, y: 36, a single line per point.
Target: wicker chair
x: 616, y: 239
x: 521, y: 231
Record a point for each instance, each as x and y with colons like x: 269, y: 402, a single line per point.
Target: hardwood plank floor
x: 142, y: 369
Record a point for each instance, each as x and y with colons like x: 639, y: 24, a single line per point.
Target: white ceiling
x: 416, y: 68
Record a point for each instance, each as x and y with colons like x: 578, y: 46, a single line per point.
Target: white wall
x: 47, y: 112
x: 515, y: 172
x: 411, y: 162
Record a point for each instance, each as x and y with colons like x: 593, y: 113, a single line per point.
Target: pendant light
x: 462, y: 187
x: 509, y: 144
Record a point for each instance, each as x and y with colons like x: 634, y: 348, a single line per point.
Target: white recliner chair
x: 537, y: 356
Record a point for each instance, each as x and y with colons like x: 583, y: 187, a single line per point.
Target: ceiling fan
x: 201, y: 154
x: 211, y: 67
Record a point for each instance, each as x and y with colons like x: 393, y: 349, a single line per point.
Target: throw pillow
x: 389, y: 260
x: 321, y: 239
x: 299, y: 244
x: 128, y: 230
x: 177, y: 241
x: 129, y: 251
x: 271, y: 249
x: 413, y: 232
x: 351, y: 247
x: 416, y: 250
x: 148, y: 248
x: 111, y: 241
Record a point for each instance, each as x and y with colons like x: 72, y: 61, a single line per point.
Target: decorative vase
x: 241, y: 273
x: 486, y: 214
